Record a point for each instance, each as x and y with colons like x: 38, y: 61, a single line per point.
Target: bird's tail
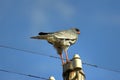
x: 42, y: 35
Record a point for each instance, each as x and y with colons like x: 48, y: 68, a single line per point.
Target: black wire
x: 29, y: 75
x: 28, y: 51
x: 101, y: 67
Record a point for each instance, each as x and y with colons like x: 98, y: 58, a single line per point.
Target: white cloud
x: 39, y: 17
x: 43, y: 12
x: 67, y: 11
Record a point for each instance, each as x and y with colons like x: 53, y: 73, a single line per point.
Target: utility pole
x: 73, y: 69
x: 51, y: 78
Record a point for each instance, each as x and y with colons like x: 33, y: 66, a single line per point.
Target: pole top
x: 51, y: 78
x: 76, y: 56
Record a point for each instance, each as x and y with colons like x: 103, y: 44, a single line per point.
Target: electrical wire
x: 28, y: 51
x: 101, y: 67
x: 28, y: 75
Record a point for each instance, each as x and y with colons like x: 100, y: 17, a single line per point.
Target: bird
x: 61, y: 40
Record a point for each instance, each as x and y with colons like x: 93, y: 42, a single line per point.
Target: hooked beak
x: 78, y: 32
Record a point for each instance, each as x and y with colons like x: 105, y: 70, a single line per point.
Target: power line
x: 29, y: 75
x: 101, y: 67
x: 28, y: 51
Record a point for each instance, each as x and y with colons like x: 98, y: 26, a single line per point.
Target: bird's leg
x: 66, y: 53
x: 61, y: 57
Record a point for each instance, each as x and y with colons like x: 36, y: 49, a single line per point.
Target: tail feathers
x: 35, y: 37
x: 40, y: 37
x: 43, y: 33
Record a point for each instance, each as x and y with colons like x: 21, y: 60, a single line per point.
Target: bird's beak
x: 78, y: 32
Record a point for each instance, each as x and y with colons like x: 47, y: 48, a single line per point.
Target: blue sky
x: 98, y: 43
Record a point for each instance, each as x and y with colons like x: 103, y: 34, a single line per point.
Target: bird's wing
x: 67, y: 34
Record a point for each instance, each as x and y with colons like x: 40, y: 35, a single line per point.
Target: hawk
x: 61, y: 40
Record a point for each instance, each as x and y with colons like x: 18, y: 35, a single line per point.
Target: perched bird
x: 61, y: 40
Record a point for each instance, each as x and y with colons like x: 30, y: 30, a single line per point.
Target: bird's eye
x: 77, y: 30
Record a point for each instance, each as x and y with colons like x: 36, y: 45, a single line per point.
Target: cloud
x: 38, y: 19
x: 67, y: 11
x: 43, y: 12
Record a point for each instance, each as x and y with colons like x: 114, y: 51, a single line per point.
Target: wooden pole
x: 73, y: 69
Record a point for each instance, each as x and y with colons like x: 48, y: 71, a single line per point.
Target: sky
x: 98, y: 43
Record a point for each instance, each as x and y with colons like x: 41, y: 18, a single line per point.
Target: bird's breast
x: 66, y: 42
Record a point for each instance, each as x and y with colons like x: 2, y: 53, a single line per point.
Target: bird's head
x: 76, y: 30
